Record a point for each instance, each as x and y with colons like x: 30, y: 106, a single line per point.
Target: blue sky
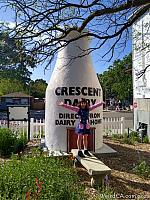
x: 100, y: 65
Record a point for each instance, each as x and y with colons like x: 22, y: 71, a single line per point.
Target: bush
x: 146, y: 139
x: 7, y: 141
x: 20, y: 142
x: 39, y: 178
x: 142, y: 169
x: 128, y: 141
x: 132, y: 138
x: 117, y: 136
x: 11, y: 142
x: 135, y: 136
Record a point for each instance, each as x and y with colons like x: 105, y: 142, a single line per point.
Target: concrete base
x: 95, y: 168
x: 57, y: 153
x: 104, y: 150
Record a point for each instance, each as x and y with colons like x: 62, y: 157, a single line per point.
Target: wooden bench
x: 95, y: 168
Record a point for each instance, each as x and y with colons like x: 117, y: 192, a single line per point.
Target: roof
x: 16, y: 94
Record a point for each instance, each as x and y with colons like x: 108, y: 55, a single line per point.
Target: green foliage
x: 36, y: 151
x: 20, y: 142
x: 117, y: 81
x: 38, y: 88
x: 7, y: 141
x: 11, y: 142
x: 39, y: 178
x: 105, y: 193
x: 132, y: 138
x: 117, y: 136
x: 14, y: 73
x: 9, y: 86
x: 127, y: 140
x: 142, y: 169
x: 14, y: 60
x: 146, y: 139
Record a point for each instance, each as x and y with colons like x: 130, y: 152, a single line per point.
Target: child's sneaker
x: 87, y: 153
x: 81, y: 154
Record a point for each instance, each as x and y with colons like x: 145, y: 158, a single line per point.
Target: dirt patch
x: 123, y: 181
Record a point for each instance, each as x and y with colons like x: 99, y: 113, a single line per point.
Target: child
x: 83, y: 127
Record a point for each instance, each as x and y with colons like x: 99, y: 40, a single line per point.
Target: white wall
x: 141, y: 56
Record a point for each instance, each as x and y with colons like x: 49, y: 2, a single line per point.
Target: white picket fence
x: 113, y: 126
x: 37, y: 128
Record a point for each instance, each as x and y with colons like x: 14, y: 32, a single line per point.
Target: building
x: 17, y: 98
x: 141, y: 72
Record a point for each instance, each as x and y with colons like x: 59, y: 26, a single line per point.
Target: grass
x: 34, y: 176
x: 105, y: 194
x: 39, y: 178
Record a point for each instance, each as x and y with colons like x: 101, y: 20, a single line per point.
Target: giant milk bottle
x: 73, y: 78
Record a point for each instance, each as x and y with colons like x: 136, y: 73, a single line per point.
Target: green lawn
x: 40, y: 178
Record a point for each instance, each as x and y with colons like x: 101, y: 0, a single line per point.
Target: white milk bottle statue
x: 73, y: 78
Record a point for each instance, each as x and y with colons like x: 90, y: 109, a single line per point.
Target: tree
x: 117, y: 81
x: 9, y: 86
x: 14, y: 62
x: 38, y: 88
x: 42, y: 24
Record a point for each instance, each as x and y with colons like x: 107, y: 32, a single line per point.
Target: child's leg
x: 79, y: 140
x: 85, y: 141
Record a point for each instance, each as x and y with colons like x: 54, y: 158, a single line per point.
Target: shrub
x: 142, y: 169
x: 11, y: 142
x: 7, y: 141
x: 117, y: 136
x: 146, y: 139
x: 135, y: 136
x: 132, y: 138
x: 20, y: 142
x: 128, y: 141
x: 39, y: 178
